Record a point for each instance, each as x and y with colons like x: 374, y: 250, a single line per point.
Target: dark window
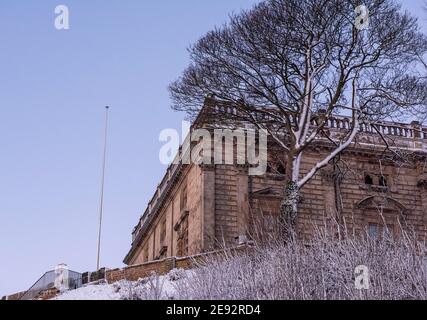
x: 276, y: 168
x: 183, y: 238
x: 383, y: 181
x: 369, y: 180
x: 163, y: 232
x: 183, y: 200
x: 281, y: 169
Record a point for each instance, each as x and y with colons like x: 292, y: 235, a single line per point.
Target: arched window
x: 382, y: 217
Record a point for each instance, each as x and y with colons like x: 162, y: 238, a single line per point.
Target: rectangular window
x: 145, y: 254
x: 163, y: 232
x: 185, y: 238
x: 268, y: 223
x: 373, y: 231
x: 375, y: 180
x: 182, y: 230
x: 377, y: 232
x: 183, y: 198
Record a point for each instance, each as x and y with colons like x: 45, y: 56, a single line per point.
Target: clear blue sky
x: 53, y: 87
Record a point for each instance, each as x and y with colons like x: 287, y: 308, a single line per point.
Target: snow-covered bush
x: 322, y: 268
x: 177, y: 274
x: 150, y: 288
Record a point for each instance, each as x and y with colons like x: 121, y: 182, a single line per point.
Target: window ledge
x: 374, y: 188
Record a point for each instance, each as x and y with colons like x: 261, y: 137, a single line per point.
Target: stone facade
x: 199, y: 208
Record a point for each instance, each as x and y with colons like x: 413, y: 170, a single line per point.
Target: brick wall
x: 88, y: 277
x: 48, y: 294
x: 15, y: 296
x: 191, y: 179
x: 162, y: 267
x: 136, y: 272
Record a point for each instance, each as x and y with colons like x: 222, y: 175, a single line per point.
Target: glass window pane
x: 373, y: 231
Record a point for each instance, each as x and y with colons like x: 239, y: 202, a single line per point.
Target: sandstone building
x: 197, y: 208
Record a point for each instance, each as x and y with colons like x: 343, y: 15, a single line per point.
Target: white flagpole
x: 101, y: 204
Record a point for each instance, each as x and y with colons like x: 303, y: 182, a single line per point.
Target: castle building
x: 200, y: 207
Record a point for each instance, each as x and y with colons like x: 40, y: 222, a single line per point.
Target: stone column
x: 328, y: 186
x: 418, y: 136
x: 422, y: 187
x: 422, y: 183
x: 208, y: 207
x: 242, y: 204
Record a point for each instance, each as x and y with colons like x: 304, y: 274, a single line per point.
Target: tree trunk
x: 291, y: 197
x: 289, y: 207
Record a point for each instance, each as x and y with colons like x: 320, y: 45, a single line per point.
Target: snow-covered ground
x: 325, y: 269
x: 91, y: 292
x: 154, y: 287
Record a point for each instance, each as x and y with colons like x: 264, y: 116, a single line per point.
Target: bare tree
x: 289, y: 66
x: 422, y: 112
x: 423, y: 61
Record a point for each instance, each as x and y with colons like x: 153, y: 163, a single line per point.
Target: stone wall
x: 136, y: 272
x: 172, y: 212
x: 222, y: 199
x: 331, y: 195
x: 226, y: 216
x: 162, y: 267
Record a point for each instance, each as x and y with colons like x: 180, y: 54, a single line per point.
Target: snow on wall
x: 153, y: 287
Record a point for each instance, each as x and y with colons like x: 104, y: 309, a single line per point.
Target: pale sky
x: 53, y: 89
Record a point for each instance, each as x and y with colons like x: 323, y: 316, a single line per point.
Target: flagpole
x: 101, y: 202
